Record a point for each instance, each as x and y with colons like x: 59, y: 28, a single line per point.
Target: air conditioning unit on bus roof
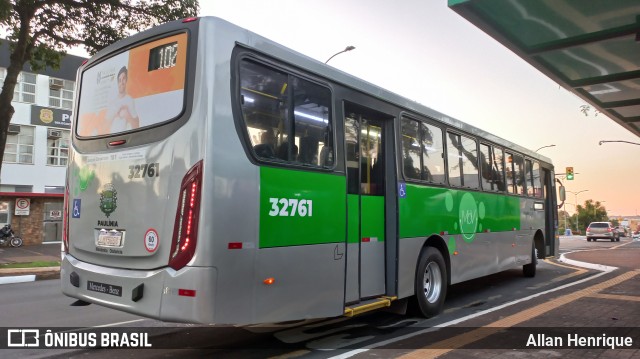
x: 13, y: 129
x: 54, y: 134
x: 56, y: 84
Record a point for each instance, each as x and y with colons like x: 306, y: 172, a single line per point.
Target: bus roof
x: 268, y: 47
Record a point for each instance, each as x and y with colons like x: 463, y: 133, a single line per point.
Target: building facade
x: 32, y: 180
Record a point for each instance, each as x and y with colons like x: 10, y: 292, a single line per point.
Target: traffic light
x: 569, y: 173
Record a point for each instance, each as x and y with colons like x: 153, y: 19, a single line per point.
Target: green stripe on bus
x: 301, y: 208
x: 372, y: 217
x: 427, y: 210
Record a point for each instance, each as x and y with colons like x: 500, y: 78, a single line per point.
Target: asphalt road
x: 40, y: 304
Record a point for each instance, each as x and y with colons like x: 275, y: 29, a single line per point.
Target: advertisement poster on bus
x: 138, y: 88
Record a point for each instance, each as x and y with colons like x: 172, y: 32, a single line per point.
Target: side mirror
x: 563, y: 194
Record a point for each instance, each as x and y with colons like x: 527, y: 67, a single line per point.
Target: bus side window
x: 432, y: 153
x: 411, y: 156
x: 537, y: 184
x: 510, y: 173
x: 288, y: 118
x: 422, y: 151
x: 519, y: 173
x: 463, y: 161
x: 529, y: 177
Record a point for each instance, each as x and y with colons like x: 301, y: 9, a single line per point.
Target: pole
x: 348, y: 48
x: 576, y: 204
x: 577, y: 214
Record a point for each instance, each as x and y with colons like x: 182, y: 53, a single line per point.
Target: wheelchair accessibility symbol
x: 75, y: 212
x: 402, y: 190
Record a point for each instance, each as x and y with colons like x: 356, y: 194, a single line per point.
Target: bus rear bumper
x: 185, y: 296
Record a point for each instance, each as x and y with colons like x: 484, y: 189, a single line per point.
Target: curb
x: 21, y: 275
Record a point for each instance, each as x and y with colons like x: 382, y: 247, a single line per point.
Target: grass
x: 31, y: 264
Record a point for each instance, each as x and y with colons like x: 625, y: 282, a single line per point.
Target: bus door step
x: 368, y: 305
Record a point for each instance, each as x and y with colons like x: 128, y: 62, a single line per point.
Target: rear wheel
x: 431, y: 282
x: 16, y: 242
x: 588, y: 239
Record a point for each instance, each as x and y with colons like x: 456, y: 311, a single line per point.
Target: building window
x: 57, y: 147
x: 19, y: 147
x: 4, y: 213
x: 25, y: 90
x: 61, y: 93
x: 53, y: 189
x: 24, y: 188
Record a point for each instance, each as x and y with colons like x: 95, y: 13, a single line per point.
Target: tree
x: 40, y: 30
x: 591, y: 212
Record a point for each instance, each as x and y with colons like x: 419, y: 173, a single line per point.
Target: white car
x: 604, y: 230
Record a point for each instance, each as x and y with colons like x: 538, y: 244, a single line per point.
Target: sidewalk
x: 25, y: 254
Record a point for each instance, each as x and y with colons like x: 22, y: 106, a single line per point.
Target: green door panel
x: 301, y: 208
x: 373, y: 217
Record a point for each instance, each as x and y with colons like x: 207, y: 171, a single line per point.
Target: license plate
x: 110, y: 239
x: 104, y: 288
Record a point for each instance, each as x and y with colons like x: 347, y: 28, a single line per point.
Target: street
x: 40, y: 304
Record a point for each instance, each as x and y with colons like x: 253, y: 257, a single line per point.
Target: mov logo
x: 468, y: 217
x: 23, y: 338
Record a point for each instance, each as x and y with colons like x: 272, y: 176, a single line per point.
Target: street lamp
x: 348, y: 48
x: 633, y: 143
x: 576, y: 202
x: 545, y: 147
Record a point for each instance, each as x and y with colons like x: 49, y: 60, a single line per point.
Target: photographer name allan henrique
x: 578, y: 341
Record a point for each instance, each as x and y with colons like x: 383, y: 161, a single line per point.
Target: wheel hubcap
x: 432, y: 281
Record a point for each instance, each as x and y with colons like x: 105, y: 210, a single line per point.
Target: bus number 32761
x: 290, y: 207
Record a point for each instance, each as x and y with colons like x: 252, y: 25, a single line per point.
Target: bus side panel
x: 479, y: 228
x: 308, y: 282
x: 408, y: 252
x: 301, y: 245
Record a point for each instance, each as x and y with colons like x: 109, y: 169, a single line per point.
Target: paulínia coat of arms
x: 108, y: 199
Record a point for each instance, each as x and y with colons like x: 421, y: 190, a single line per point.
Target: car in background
x: 622, y: 231
x: 602, y: 230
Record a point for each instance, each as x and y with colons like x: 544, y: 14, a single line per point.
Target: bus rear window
x: 138, y: 88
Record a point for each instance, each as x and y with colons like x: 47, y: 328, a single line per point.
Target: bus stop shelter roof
x: 591, y: 48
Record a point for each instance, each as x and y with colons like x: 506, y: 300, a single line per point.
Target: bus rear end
x: 135, y: 177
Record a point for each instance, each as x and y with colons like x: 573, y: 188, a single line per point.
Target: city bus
x: 216, y: 176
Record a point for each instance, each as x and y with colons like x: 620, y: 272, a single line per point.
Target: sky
x: 426, y: 52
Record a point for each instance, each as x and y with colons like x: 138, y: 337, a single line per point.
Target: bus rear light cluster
x: 185, y: 232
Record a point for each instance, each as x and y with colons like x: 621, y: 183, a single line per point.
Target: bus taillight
x: 185, y: 232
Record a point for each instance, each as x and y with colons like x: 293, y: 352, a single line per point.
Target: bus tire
x: 431, y: 282
x: 529, y: 270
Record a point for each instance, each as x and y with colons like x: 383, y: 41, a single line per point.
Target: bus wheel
x: 529, y: 270
x: 431, y: 282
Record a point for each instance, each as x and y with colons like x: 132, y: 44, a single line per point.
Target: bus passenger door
x: 365, y: 145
